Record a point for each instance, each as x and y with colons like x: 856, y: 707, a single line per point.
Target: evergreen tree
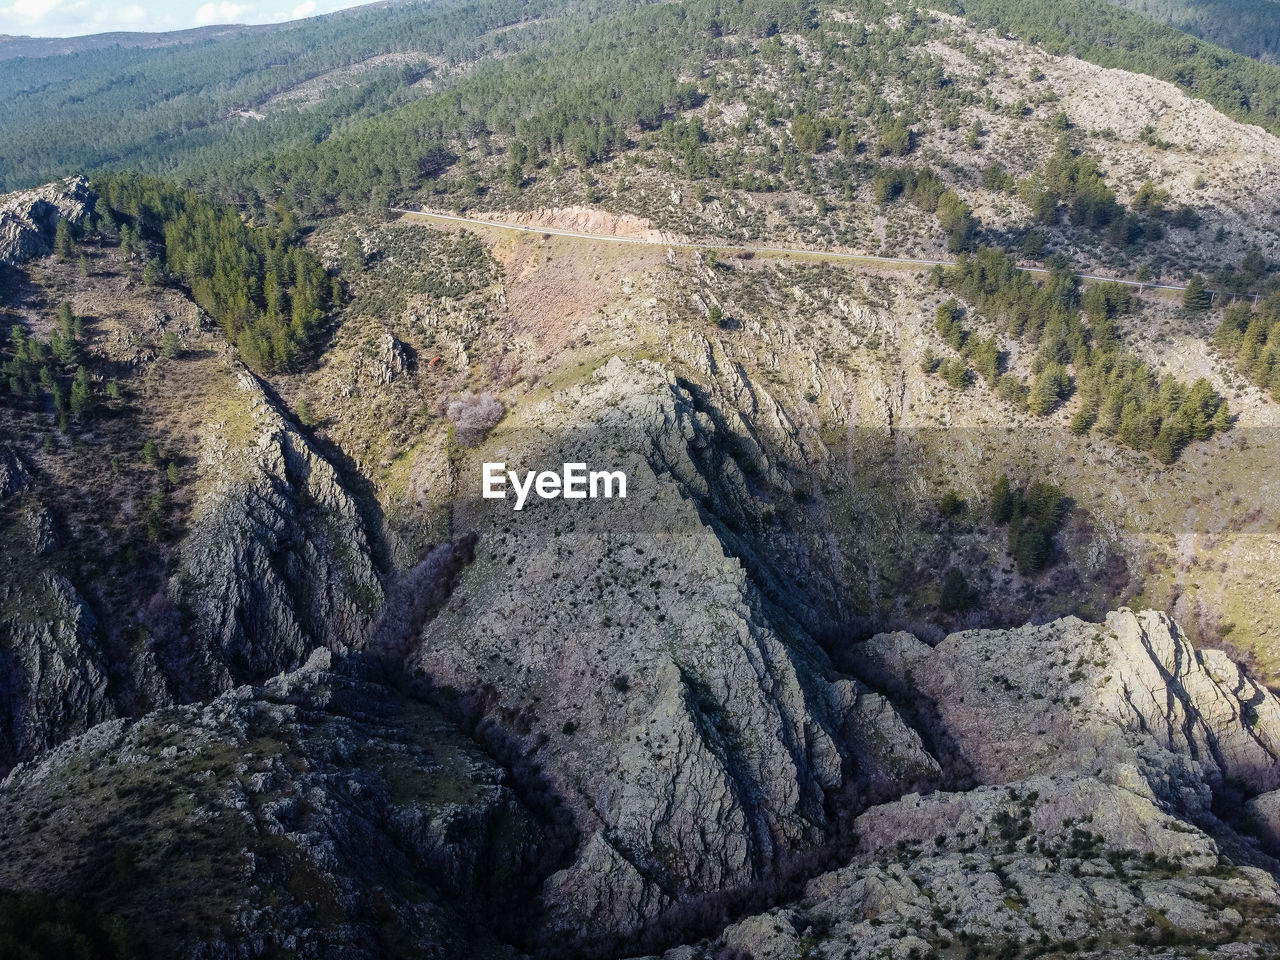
x: 63, y: 245
x: 1197, y: 295
x: 170, y: 345
x: 956, y: 595
x: 1003, y: 501
x: 81, y: 395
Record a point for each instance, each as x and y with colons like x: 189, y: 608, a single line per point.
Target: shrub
x: 474, y: 415
x: 956, y: 596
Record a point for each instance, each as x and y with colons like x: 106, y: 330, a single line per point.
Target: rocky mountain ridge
x: 29, y: 218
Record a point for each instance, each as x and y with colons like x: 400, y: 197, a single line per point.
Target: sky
x: 69, y: 18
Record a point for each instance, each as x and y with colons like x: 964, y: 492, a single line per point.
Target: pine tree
x: 1197, y: 296
x: 81, y: 395
x: 1046, y: 390
x: 956, y: 595
x: 150, y: 453
x: 1003, y: 501
x: 170, y: 345
x: 63, y: 244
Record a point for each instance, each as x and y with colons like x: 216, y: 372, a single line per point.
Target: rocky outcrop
x: 696, y: 733
x: 53, y: 675
x: 1099, y: 749
x: 1066, y: 864
x: 29, y: 218
x: 393, y: 359
x: 1129, y: 693
x: 276, y: 561
x: 14, y: 476
x: 321, y: 814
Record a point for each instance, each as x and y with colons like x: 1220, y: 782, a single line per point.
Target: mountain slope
x: 907, y: 637
x: 1249, y: 28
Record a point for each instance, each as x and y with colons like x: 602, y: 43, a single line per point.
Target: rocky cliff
x: 697, y: 734
x: 276, y: 561
x: 53, y: 672
x: 321, y: 815
x: 1108, y: 759
x: 29, y: 218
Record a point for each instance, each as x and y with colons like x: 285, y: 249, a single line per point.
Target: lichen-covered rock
x: 29, y: 218
x: 53, y: 675
x: 322, y: 814
x: 1099, y: 750
x: 696, y: 733
x: 1070, y: 696
x: 276, y: 561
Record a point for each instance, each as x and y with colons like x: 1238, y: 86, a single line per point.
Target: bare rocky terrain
x: 277, y: 681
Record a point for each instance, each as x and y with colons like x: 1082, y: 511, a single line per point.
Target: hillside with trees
x: 1251, y: 27
x: 923, y: 358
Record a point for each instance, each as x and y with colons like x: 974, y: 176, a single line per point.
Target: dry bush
x: 474, y: 414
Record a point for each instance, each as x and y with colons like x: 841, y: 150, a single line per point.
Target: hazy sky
x: 68, y: 18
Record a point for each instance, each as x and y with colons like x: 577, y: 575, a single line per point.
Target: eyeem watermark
x: 574, y: 482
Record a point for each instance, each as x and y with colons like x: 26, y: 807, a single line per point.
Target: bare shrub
x: 474, y: 415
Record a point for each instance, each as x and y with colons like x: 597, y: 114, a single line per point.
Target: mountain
x: 202, y: 104
x: 934, y: 351
x: 34, y: 47
x: 1249, y: 28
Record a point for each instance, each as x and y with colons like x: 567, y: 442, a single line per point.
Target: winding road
x: 732, y: 248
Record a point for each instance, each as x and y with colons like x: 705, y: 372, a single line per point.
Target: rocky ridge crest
x: 29, y: 218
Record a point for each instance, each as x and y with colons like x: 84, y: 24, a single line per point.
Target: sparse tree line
x: 1252, y: 339
x: 1078, y: 354
x: 1033, y: 516
x: 53, y: 371
x: 267, y: 291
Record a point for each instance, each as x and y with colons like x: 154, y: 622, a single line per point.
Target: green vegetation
x: 53, y: 928
x: 1252, y: 338
x: 1197, y: 295
x: 189, y: 105
x: 1079, y: 353
x: 956, y: 595
x: 1034, y: 516
x: 578, y: 77
x: 1251, y: 27
x: 1095, y: 31
x: 36, y: 370
x: 265, y: 289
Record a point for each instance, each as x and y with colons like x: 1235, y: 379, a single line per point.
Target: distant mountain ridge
x: 14, y: 45
x: 1251, y: 27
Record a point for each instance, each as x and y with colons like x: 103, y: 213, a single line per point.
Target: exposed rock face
x: 53, y: 676
x: 1068, y: 864
x: 694, y: 732
x: 392, y: 359
x: 276, y: 562
x: 321, y: 815
x: 29, y: 218
x: 14, y: 477
x: 1098, y: 748
x: 1073, y: 696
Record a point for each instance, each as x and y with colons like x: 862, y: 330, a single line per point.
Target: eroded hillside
x: 906, y: 639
